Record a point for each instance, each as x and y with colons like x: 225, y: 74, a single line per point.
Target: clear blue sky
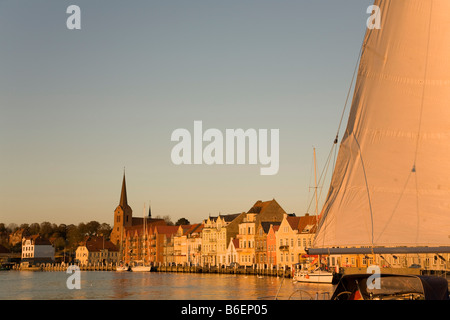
x: 79, y: 105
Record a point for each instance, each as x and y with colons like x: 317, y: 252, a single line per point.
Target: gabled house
x: 261, y: 243
x: 37, y: 249
x: 232, y: 252
x: 96, y: 250
x: 272, y: 245
x: 267, y: 211
x: 294, y: 235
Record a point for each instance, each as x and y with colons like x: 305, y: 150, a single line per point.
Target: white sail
x: 391, y: 183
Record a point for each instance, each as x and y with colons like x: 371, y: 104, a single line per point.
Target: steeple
x: 123, y: 195
x: 149, y: 210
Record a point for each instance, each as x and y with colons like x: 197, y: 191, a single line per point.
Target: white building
x: 96, y: 250
x: 232, y: 253
x: 36, y: 249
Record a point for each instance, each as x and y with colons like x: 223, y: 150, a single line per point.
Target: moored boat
x: 139, y: 266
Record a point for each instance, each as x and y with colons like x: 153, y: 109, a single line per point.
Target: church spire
x: 123, y: 195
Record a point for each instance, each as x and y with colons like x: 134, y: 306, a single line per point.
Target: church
x: 124, y: 220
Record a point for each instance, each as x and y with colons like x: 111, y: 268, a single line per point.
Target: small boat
x: 123, y: 267
x: 26, y: 266
x: 391, y: 287
x: 314, y: 276
x: 139, y: 266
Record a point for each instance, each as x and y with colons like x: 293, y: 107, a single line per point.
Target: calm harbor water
x: 107, y: 285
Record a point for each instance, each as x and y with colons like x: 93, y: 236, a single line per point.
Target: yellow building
x: 216, y: 235
x: 96, y: 250
x: 294, y: 235
x: 267, y: 211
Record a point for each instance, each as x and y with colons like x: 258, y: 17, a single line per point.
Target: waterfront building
x: 261, y: 243
x: 272, y: 245
x: 294, y: 235
x: 96, y: 250
x: 180, y: 244
x: 227, y: 228
x: 194, y: 245
x: 216, y: 235
x: 164, y: 245
x: 123, y: 218
x: 267, y: 211
x: 136, y: 244
x: 37, y: 249
x: 232, y: 251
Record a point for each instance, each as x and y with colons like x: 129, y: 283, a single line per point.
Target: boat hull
x: 122, y: 269
x: 140, y: 269
x: 314, y: 278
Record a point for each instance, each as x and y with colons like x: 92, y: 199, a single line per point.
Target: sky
x: 77, y: 106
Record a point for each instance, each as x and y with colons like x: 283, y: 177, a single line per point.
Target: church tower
x: 122, y: 215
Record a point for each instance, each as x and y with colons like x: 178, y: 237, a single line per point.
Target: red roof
x: 293, y: 222
x: 96, y: 244
x: 166, y: 229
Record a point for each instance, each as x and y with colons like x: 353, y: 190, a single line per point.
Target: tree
x: 182, y: 221
x: 46, y: 229
x: 92, y: 228
x: 34, y: 228
x: 74, y: 236
x: 59, y: 243
x: 12, y: 227
x: 104, y: 230
x: 166, y: 219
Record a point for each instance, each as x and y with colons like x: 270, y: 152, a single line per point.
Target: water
x: 107, y: 285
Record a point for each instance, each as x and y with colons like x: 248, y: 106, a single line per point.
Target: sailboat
x: 312, y: 273
x: 122, y: 266
x: 390, y: 188
x: 140, y: 265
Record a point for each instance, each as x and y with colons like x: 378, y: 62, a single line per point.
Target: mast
x: 315, y: 184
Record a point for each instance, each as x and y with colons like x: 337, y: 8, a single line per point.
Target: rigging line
x: 423, y: 88
x: 367, y: 185
x: 355, y: 70
x: 420, y: 119
x: 367, y: 34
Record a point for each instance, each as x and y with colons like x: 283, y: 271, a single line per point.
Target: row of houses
x: 264, y: 236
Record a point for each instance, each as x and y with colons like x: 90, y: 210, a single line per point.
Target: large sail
x: 391, y: 183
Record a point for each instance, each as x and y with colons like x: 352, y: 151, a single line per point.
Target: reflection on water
x: 153, y: 286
